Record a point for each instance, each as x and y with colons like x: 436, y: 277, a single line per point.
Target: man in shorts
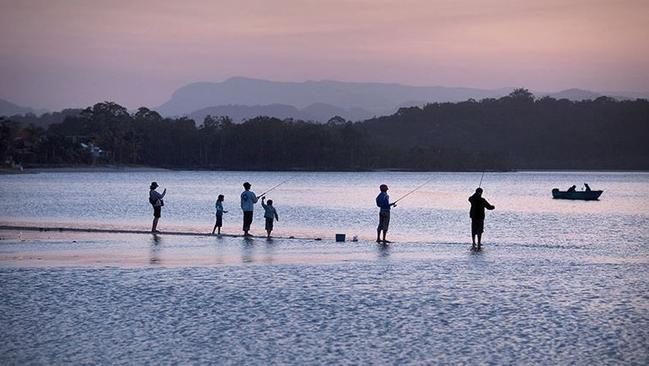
x: 383, y: 202
x: 155, y: 199
x: 248, y: 200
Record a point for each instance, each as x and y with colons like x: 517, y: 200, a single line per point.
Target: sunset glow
x: 56, y: 54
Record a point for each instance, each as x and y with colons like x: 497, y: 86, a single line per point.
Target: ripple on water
x: 377, y: 312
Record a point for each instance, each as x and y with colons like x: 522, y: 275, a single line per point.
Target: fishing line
x: 480, y: 185
x: 259, y: 195
x: 413, y: 191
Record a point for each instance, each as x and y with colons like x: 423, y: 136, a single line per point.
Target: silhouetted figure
x: 270, y: 214
x: 572, y: 189
x: 248, y: 200
x: 383, y: 202
x: 477, y: 214
x: 587, y: 187
x: 219, y: 214
x: 155, y: 199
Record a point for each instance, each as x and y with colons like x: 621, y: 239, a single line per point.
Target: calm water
x: 322, y: 204
x: 559, y: 282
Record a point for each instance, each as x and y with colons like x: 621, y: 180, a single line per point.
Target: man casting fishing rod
x: 248, y: 200
x: 383, y: 201
x: 477, y: 215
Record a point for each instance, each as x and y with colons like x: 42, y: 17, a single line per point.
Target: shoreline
x: 131, y: 169
x: 124, y: 249
x: 61, y: 229
x: 82, y: 169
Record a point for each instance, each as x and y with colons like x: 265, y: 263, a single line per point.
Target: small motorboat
x: 576, y: 195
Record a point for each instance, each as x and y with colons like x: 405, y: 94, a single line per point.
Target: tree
x: 521, y: 95
x: 336, y: 120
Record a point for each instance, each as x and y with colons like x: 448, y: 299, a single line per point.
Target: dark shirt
x: 478, y: 204
x: 383, y: 201
x: 154, y: 196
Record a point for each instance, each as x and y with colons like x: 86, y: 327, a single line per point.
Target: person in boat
x: 248, y: 200
x: 383, y: 202
x: 477, y: 214
x: 572, y: 189
x: 587, y: 187
x: 155, y: 199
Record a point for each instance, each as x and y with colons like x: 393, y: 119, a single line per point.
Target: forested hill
x: 519, y: 132
x: 512, y: 132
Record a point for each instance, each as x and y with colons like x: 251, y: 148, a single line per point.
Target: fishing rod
x: 413, y: 191
x: 260, y: 195
x: 480, y: 185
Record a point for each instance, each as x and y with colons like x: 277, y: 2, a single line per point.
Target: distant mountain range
x: 375, y: 98
x: 10, y: 109
x: 242, y: 98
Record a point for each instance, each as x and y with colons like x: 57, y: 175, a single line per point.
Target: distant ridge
x: 321, y: 100
x: 11, y: 109
x: 375, y: 98
x: 572, y: 94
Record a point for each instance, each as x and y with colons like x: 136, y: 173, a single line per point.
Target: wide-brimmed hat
x: 154, y: 185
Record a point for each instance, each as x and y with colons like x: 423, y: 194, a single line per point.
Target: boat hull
x: 576, y: 195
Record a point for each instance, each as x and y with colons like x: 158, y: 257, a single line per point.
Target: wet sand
x: 88, y: 247
x: 95, y: 247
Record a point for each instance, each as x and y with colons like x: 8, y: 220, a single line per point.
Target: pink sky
x: 57, y: 53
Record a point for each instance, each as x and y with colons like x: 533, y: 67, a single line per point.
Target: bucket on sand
x: 340, y: 237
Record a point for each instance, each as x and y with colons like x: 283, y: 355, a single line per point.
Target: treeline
x: 522, y: 132
x: 513, y: 132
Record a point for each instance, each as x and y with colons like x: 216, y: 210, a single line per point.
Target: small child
x: 219, y: 214
x: 270, y: 214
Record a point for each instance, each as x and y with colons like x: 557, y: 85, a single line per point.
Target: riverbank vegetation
x: 517, y: 131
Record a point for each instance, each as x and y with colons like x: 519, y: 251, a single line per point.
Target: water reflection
x: 269, y: 250
x: 156, y: 249
x: 476, y: 256
x: 247, y: 250
x: 218, y: 250
x: 383, y: 250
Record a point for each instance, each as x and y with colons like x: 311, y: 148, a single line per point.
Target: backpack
x: 155, y: 202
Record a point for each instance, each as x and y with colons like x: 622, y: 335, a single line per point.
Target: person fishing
x: 248, y: 200
x: 155, y: 199
x: 383, y: 202
x: 477, y: 214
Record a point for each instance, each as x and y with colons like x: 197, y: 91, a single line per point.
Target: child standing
x: 270, y: 214
x: 219, y: 214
